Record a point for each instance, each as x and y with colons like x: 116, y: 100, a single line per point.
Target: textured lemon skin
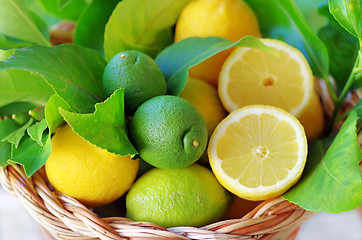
x: 312, y: 118
x: 230, y: 19
x: 87, y: 173
x: 188, y: 196
x: 206, y: 99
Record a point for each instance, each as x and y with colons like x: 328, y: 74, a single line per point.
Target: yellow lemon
x: 252, y: 76
x: 258, y: 152
x: 230, y: 19
x: 312, y: 118
x: 205, y: 98
x: 85, y: 172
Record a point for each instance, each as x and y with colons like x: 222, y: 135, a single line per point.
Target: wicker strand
x: 65, y: 218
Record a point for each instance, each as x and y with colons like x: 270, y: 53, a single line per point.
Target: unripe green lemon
x: 138, y: 74
x: 188, y: 196
x: 168, y: 132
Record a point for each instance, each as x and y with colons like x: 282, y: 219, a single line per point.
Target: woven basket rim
x: 65, y: 218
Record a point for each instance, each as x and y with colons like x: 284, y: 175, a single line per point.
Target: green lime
x: 177, y: 197
x: 168, y: 132
x: 138, y: 74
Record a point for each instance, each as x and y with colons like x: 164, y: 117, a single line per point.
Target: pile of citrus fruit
x: 237, y: 133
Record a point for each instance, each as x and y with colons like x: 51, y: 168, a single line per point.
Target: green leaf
x: 36, y: 7
x: 52, y: 115
x: 333, y: 182
x: 143, y: 25
x: 358, y: 108
x: 31, y: 155
x: 280, y: 19
x: 349, y: 14
x: 16, y: 107
x: 63, y: 3
x: 40, y: 24
x: 176, y: 59
x: 74, y: 72
x: 358, y: 80
x: 342, y: 48
x: 36, y: 131
x: 7, y: 42
x: 17, y: 85
x: 106, y: 127
x: 7, y: 126
x: 21, y: 118
x: 309, y: 9
x: 5, y: 153
x: 66, y: 10
x: 16, y: 22
x: 16, y: 136
x: 37, y: 113
x: 89, y: 31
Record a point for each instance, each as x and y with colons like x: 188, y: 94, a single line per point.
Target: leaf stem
x: 344, y: 93
x: 330, y: 88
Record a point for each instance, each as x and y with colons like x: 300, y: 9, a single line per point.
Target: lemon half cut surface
x: 258, y: 152
x: 253, y: 76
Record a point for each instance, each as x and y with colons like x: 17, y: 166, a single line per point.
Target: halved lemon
x: 258, y: 152
x: 252, y: 76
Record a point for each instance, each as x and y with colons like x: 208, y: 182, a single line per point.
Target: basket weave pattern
x: 65, y: 218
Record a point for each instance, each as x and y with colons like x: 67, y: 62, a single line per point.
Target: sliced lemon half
x: 258, y: 152
x: 252, y: 76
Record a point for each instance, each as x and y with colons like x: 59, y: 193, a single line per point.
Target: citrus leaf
x: 16, y: 107
x: 31, y: 155
x: 143, y: 25
x: 5, y: 153
x: 63, y: 3
x: 52, y: 115
x: 342, y: 47
x: 349, y: 14
x: 6, y: 127
x: 309, y: 9
x: 40, y: 24
x: 16, y: 136
x: 358, y: 108
x: 331, y: 183
x: 89, y: 31
x: 7, y: 42
x: 176, y: 59
x: 16, y: 22
x: 106, y: 127
x: 13, y: 88
x: 36, y: 131
x: 74, y: 72
x: 21, y: 118
x: 35, y: 6
x: 68, y: 10
x: 280, y: 19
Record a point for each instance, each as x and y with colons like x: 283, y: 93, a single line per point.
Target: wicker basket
x: 65, y: 218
